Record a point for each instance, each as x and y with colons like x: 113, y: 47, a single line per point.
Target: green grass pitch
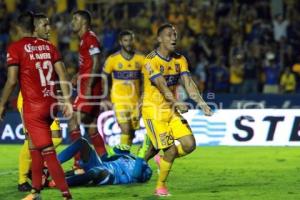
x: 209, y: 173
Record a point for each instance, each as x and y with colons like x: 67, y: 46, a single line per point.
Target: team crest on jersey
x: 120, y: 66
x: 137, y: 65
x: 177, y: 67
x: 162, y: 69
x: 148, y: 68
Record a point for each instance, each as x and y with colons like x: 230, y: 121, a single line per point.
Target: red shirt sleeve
x: 12, y: 56
x: 93, y: 45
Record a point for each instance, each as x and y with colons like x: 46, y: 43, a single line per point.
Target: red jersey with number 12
x: 35, y: 59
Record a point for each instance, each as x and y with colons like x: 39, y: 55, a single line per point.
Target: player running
x: 161, y: 110
x: 117, y: 170
x: 87, y: 103
x: 41, y: 30
x: 125, y: 67
x: 37, y: 64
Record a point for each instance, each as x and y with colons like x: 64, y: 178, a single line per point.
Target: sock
x: 36, y: 169
x: 70, y: 151
x: 75, y: 135
x: 56, y: 172
x: 164, y: 170
x: 56, y: 142
x: 126, y: 139
x: 145, y: 147
x: 24, y: 163
x: 180, y: 150
x: 98, y: 143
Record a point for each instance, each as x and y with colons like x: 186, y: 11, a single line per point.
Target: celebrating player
x: 125, y: 67
x: 41, y: 30
x: 87, y: 103
x: 161, y: 110
x: 117, y: 170
x: 38, y: 65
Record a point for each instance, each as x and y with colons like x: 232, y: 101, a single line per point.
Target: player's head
x: 167, y: 36
x: 126, y: 38
x: 24, y: 23
x: 80, y: 19
x: 41, y: 26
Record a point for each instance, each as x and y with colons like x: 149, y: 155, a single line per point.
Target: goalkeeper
x: 114, y: 170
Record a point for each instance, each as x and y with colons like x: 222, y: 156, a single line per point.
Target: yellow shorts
x: 55, y: 126
x: 127, y: 113
x: 164, y: 132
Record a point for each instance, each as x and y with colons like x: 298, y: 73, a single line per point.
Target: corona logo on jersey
x: 110, y: 130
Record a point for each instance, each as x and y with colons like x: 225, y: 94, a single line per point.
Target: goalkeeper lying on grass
x: 118, y: 169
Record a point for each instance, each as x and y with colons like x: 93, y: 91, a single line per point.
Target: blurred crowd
x: 233, y: 46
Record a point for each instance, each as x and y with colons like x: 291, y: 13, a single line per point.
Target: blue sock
x: 138, y: 167
x: 70, y: 151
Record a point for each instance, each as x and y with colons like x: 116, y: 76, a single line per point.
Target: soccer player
x: 87, y: 103
x: 161, y: 110
x: 37, y: 64
x: 125, y: 67
x: 41, y: 30
x: 117, y: 170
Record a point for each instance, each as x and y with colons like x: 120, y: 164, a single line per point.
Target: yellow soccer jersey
x: 126, y: 75
x: 171, y: 70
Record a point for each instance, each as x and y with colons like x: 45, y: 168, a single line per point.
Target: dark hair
x: 125, y: 32
x: 163, y: 27
x: 39, y: 16
x: 25, y: 21
x: 85, y: 15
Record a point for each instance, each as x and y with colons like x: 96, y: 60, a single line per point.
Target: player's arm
x: 95, y: 70
x: 106, y: 72
x: 194, y: 94
x: 161, y: 84
x: 62, y: 74
x: 10, y: 84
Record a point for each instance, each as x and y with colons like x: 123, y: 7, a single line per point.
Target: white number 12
x: 45, y: 80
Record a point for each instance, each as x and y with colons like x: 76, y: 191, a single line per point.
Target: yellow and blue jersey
x: 171, y: 69
x: 126, y: 75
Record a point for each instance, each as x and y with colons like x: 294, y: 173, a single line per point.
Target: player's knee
x: 189, y: 145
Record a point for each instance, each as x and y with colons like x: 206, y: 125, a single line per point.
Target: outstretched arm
x: 10, y: 84
x: 161, y: 85
x: 194, y: 94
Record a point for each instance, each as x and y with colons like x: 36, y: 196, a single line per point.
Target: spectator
x: 271, y: 75
x: 237, y: 74
x: 288, y: 81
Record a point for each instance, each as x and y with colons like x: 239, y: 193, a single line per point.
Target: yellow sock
x: 164, y: 170
x: 180, y: 150
x: 145, y: 146
x: 56, y: 142
x: 24, y: 162
x: 126, y: 139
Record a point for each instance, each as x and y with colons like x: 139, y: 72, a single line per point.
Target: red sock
x: 56, y: 172
x: 36, y: 169
x: 98, y: 143
x: 74, y: 135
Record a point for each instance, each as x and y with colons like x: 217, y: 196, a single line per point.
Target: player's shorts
x: 89, y: 105
x: 55, y: 126
x: 163, y: 131
x: 127, y: 113
x: 38, y: 126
